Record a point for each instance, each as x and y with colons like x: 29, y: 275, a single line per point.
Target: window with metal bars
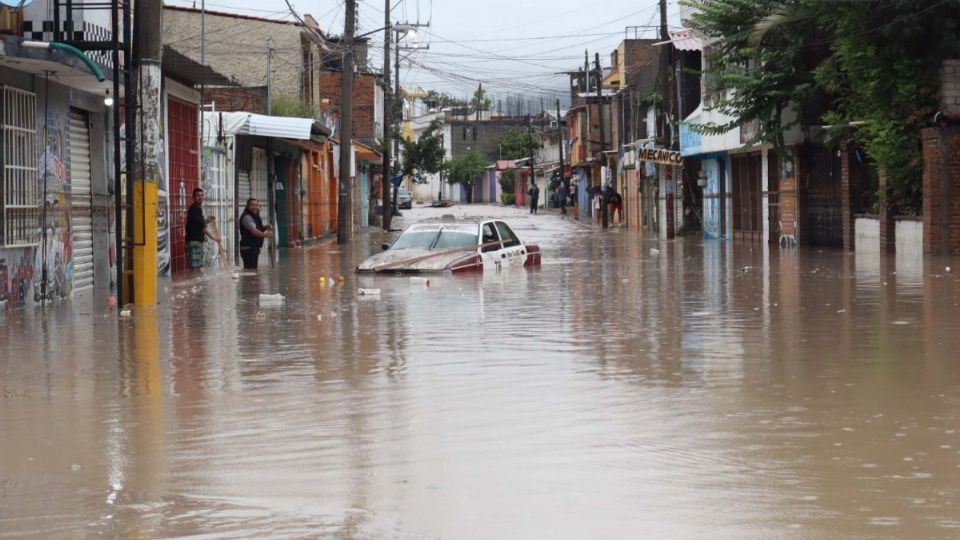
x: 19, y: 189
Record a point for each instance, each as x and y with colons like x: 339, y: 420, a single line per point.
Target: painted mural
x: 55, y: 252
x: 16, y: 277
x: 711, y: 199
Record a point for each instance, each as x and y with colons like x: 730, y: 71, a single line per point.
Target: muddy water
x: 702, y: 391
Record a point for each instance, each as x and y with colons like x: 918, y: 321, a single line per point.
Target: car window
x: 490, y: 239
x: 509, y: 239
x: 456, y: 240
x: 415, y: 240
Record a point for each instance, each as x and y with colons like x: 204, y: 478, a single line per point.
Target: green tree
x: 442, y: 100
x: 758, y: 76
x: 466, y: 168
x: 872, y: 63
x: 515, y: 143
x: 425, y: 155
x: 480, y: 100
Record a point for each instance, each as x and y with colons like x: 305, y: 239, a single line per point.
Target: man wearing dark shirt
x: 252, y: 234
x: 197, y: 231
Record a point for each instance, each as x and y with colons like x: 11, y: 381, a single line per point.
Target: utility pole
x: 397, y: 118
x: 269, y: 76
x: 533, y: 174
x: 563, y: 171
x: 147, y: 175
x: 605, y: 217
x: 667, y: 121
x: 345, y: 195
x: 477, y: 121
x: 388, y: 112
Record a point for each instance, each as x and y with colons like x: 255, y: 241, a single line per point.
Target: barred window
x: 19, y: 191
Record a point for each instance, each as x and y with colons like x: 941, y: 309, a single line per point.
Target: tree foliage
x: 466, y: 168
x: 424, y: 155
x: 516, y: 143
x: 816, y: 62
x: 480, y: 101
x: 442, y: 100
x: 284, y: 106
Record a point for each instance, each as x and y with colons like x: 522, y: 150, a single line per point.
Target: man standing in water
x: 197, y: 231
x: 534, y: 193
x: 252, y: 233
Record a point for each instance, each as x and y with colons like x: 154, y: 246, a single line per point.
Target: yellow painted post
x: 145, y: 245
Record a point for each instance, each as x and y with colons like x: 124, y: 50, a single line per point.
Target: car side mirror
x: 385, y: 246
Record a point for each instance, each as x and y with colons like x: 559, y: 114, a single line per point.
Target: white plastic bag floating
x: 271, y: 299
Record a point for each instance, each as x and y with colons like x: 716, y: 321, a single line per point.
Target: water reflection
x: 682, y: 389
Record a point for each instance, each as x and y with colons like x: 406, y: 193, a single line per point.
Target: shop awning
x: 258, y: 125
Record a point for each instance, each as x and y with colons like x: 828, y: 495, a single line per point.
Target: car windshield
x: 415, y: 240
x: 454, y: 238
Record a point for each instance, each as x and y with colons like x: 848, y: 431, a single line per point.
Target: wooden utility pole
x: 146, y: 177
x: 563, y: 172
x: 345, y: 184
x: 397, y: 119
x: 533, y: 174
x: 388, y: 106
x: 605, y: 217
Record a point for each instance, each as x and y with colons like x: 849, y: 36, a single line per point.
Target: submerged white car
x: 450, y: 245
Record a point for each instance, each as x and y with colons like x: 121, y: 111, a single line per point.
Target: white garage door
x: 81, y: 214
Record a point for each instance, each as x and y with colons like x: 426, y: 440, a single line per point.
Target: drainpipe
x: 58, y: 46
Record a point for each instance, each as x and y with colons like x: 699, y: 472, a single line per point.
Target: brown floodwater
x: 703, y: 390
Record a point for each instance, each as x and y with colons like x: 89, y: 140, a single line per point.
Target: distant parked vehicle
x: 404, y: 198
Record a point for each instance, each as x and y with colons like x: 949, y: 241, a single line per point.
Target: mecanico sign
x: 661, y: 156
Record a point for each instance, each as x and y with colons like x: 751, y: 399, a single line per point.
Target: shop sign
x: 661, y: 156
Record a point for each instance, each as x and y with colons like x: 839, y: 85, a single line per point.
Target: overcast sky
x: 513, y: 46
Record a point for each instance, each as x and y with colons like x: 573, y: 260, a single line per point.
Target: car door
x: 514, y: 252
x: 491, y: 247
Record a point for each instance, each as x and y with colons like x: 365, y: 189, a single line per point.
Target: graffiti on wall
x: 163, y: 206
x: 711, y: 199
x: 54, y: 253
x: 16, y: 277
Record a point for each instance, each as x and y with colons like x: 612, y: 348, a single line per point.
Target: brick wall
x: 941, y: 191
x: 950, y: 86
x: 227, y: 99
x: 366, y: 125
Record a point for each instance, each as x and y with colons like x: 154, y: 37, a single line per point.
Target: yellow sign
x: 661, y: 156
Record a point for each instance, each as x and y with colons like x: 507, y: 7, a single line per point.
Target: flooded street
x: 629, y: 388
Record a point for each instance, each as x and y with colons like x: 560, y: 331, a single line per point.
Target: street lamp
x: 108, y: 99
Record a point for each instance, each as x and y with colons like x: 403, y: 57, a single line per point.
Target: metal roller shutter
x: 81, y: 214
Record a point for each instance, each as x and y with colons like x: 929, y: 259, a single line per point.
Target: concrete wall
x: 867, y: 234
x: 236, y: 45
x: 909, y: 237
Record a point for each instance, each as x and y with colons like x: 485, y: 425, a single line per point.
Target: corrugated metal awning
x: 686, y: 40
x: 259, y: 125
